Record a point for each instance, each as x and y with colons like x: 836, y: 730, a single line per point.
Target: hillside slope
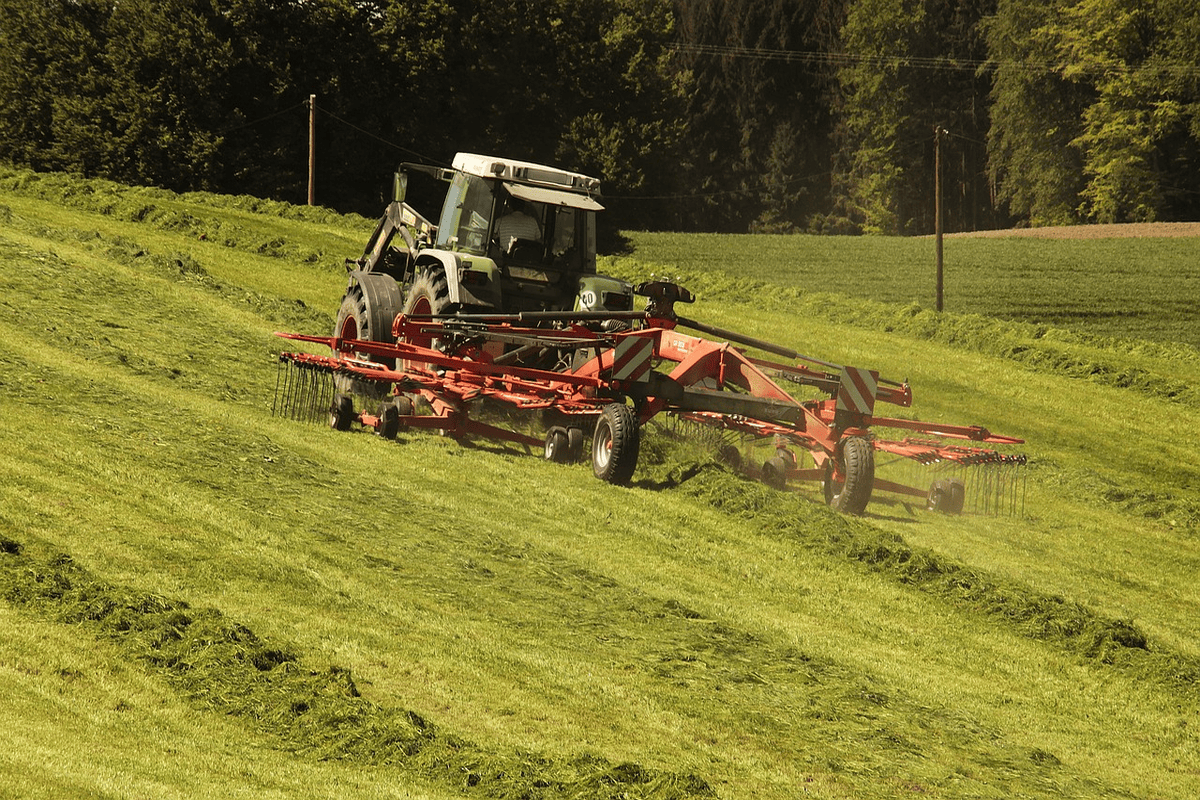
x: 205, y: 600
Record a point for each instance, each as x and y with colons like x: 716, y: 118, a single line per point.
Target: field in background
x: 202, y: 600
x: 1141, y: 288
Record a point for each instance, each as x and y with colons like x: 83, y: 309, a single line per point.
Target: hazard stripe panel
x: 857, y: 390
x: 631, y: 359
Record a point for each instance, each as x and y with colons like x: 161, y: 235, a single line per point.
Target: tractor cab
x: 511, y: 237
x: 536, y: 223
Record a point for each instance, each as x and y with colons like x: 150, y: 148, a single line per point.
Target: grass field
x: 202, y: 600
x: 1118, y: 287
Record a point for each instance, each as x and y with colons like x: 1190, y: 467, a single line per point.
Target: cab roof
x: 514, y: 171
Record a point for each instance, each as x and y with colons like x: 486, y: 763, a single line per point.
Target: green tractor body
x: 511, y: 236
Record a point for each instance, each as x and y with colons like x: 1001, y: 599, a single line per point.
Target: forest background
x: 821, y: 116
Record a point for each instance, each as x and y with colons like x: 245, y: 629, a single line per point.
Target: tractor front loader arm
x: 399, y: 218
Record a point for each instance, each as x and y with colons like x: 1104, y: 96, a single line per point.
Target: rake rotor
x: 606, y: 375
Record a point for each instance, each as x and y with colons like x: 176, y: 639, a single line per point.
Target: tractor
x: 511, y: 237
x: 499, y: 305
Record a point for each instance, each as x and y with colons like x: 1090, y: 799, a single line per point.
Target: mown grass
x: 293, y: 600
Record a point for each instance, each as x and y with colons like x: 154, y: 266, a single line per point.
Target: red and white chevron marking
x: 857, y: 390
x: 631, y: 359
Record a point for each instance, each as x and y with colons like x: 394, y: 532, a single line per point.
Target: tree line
x: 717, y: 115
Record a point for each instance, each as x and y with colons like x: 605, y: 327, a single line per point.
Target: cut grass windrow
x: 226, y: 668
x: 1104, y: 642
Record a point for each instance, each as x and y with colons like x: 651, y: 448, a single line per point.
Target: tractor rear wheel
x: 615, y: 444
x: 856, y: 458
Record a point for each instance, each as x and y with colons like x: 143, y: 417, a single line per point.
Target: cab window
x: 464, y: 221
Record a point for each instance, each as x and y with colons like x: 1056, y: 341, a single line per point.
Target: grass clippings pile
x: 225, y: 667
x: 1093, y: 637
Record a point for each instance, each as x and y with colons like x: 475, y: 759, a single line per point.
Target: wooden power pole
x: 938, y: 132
x: 312, y: 149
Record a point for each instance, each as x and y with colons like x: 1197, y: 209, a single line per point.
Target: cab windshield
x: 465, y: 215
x: 534, y: 241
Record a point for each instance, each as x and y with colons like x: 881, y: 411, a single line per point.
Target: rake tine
x: 278, y: 376
x: 296, y: 400
x: 306, y: 395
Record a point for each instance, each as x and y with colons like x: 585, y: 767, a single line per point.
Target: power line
x: 380, y: 139
x: 288, y: 110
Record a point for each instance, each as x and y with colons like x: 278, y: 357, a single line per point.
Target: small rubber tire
x: 341, y: 413
x: 558, y: 446
x: 857, y: 459
x: 730, y: 456
x: 946, y: 496
x: 389, y: 421
x: 574, y: 444
x: 615, y: 444
x: 774, y: 473
x: 405, y: 406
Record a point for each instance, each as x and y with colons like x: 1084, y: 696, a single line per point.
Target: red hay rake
x: 601, y: 376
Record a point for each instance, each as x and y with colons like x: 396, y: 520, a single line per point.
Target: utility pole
x: 312, y: 149
x: 938, y: 132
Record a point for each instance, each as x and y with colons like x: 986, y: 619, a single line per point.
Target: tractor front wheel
x: 856, y: 457
x: 615, y: 444
x: 428, y: 295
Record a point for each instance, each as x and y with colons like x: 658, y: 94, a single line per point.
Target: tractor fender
x: 470, y: 280
x: 381, y: 299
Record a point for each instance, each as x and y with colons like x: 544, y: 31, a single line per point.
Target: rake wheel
x: 389, y: 421
x: 947, y: 496
x: 774, y: 473
x: 341, y: 414
x: 558, y: 446
x: 856, y: 457
x: 615, y: 445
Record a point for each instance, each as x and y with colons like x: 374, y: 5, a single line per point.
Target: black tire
x: 730, y: 456
x: 574, y: 444
x: 946, y: 496
x: 857, y: 459
x: 389, y: 421
x: 615, y: 444
x: 352, y: 320
x: 341, y: 414
x: 558, y: 446
x: 368, y: 308
x: 429, y: 294
x: 774, y: 473
x: 404, y: 406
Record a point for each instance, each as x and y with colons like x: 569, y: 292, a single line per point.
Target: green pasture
x: 202, y: 600
x: 1124, y: 288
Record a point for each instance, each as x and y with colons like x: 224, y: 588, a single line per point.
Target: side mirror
x: 400, y: 186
